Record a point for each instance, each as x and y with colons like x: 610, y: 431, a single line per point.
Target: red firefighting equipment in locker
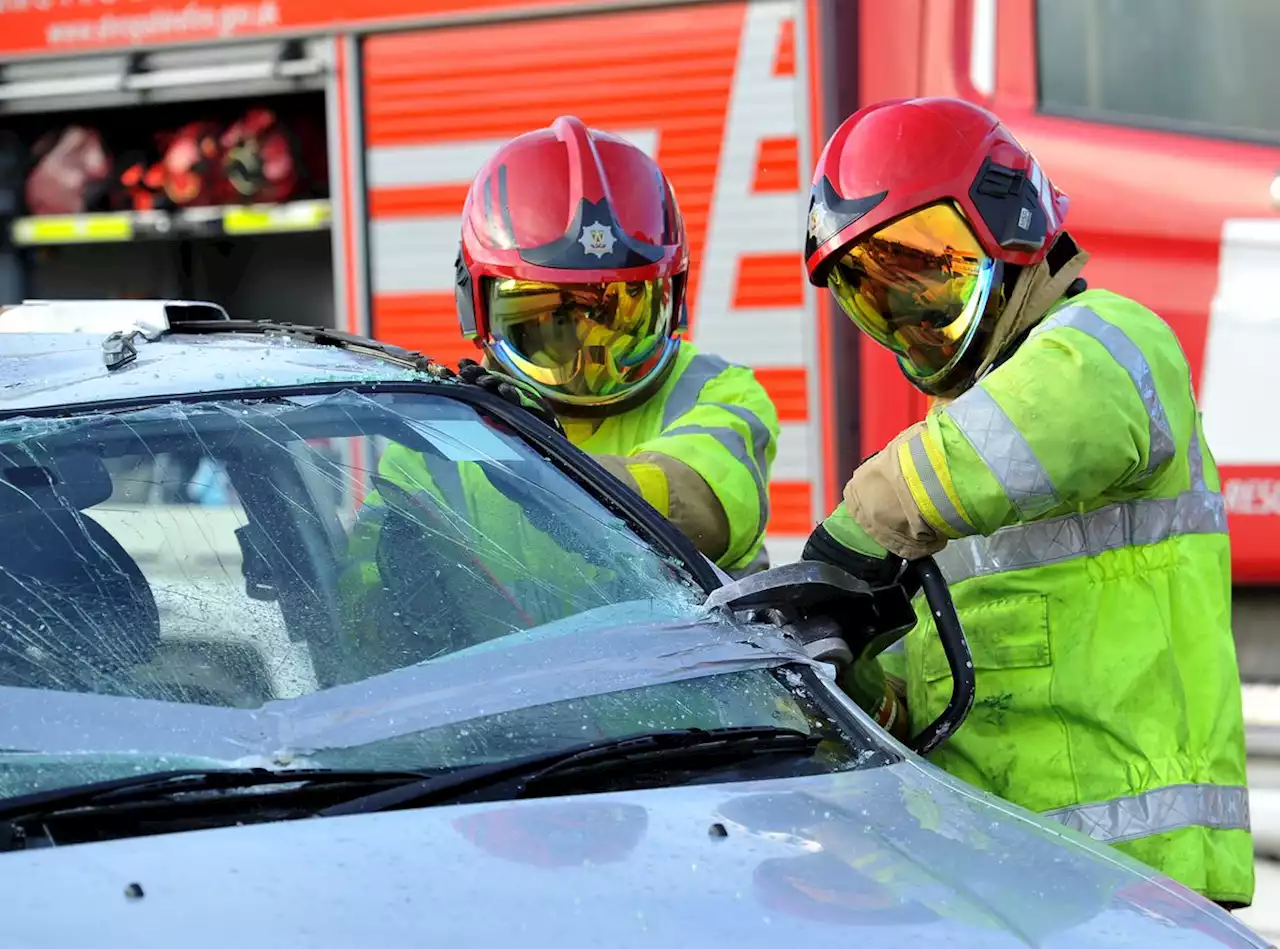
x: 265, y: 160
x: 71, y: 172
x: 188, y: 174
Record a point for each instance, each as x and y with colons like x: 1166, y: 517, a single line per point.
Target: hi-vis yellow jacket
x: 1086, y: 546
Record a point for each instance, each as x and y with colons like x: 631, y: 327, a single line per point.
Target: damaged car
x: 305, y: 641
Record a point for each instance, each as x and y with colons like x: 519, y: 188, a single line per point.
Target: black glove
x: 876, y: 571
x: 510, y: 390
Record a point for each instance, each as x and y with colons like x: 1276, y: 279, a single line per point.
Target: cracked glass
x: 332, y: 580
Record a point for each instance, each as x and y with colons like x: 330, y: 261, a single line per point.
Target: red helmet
x: 571, y: 273
x: 917, y: 206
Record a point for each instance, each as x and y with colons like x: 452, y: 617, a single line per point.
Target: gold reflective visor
x: 918, y: 287
x: 586, y: 342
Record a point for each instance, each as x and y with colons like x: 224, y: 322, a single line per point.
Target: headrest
x: 76, y: 480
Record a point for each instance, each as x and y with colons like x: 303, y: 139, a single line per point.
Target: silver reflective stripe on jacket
x: 1004, y: 451
x: 1195, y: 460
x: 1159, y: 811
x: 1124, y: 524
x: 684, y: 398
x: 1124, y: 351
x: 684, y: 394
x: 933, y: 486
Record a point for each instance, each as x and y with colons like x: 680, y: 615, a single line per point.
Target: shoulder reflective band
x: 1159, y: 811
x: 736, y: 445
x: 1005, y: 452
x: 684, y: 394
x: 685, y: 397
x: 1124, y: 524
x: 1124, y: 351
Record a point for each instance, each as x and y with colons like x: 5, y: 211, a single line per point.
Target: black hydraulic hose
x: 956, y: 649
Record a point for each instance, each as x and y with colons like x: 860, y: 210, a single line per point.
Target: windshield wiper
x: 123, y: 807
x: 163, y: 785
x: 584, y: 766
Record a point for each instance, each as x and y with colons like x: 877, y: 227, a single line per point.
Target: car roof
x: 42, y: 367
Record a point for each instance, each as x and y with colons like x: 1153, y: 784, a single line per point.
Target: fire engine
x: 163, y: 121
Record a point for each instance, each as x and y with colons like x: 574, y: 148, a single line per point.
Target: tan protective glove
x: 678, y: 493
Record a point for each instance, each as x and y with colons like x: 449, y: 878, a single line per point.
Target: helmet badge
x: 822, y: 223
x: 597, y: 239
x: 815, y: 218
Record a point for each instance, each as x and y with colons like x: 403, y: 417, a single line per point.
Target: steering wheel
x: 439, y: 590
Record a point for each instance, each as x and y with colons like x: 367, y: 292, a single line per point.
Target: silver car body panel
x: 887, y: 857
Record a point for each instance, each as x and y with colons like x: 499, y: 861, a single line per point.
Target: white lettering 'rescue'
x: 1257, y: 496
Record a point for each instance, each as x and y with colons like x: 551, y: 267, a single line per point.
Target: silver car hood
x: 878, y: 858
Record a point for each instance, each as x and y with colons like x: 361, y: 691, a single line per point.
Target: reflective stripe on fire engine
x: 60, y: 229
x: 276, y: 218
x: 753, y: 304
x: 1159, y: 811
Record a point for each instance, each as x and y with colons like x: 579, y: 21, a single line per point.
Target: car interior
x: 251, y: 608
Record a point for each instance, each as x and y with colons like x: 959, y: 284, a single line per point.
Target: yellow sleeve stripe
x: 918, y: 492
x: 652, y: 482
x: 927, y: 491
x: 940, y: 467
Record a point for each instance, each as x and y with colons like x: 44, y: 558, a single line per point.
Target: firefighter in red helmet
x: 1062, y: 480
x: 571, y: 278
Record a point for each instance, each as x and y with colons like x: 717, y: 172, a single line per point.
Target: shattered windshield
x: 389, y: 579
